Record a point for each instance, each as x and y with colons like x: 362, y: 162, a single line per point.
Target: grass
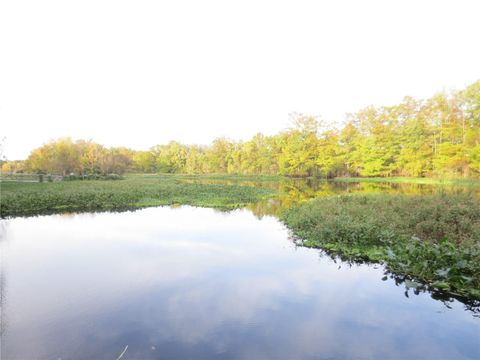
x: 434, y: 239
x: 412, y: 180
x: 226, y: 177
x: 22, y: 199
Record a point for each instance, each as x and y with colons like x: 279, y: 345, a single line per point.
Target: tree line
x: 439, y: 136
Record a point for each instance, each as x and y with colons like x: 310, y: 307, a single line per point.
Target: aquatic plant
x: 20, y: 199
x: 434, y: 239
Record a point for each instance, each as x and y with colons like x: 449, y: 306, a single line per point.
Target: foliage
x: 66, y: 157
x: 13, y: 167
x: 437, y: 137
x: 435, y: 239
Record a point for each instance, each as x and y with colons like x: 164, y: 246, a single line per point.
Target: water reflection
x: 412, y: 287
x: 294, y: 191
x: 195, y: 283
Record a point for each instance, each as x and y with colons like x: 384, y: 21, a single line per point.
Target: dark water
x: 192, y: 283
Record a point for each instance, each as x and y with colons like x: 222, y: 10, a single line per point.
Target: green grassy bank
x: 433, y: 238
x: 412, y: 180
x: 21, y: 199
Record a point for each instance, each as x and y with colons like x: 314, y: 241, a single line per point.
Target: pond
x: 196, y: 283
x: 293, y: 191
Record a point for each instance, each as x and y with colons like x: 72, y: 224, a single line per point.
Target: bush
x: 72, y: 177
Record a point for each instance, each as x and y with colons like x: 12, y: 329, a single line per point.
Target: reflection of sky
x: 191, y: 282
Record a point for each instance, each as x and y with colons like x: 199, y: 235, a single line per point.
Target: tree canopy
x: 439, y: 136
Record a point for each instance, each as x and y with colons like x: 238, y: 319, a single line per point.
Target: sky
x: 140, y: 73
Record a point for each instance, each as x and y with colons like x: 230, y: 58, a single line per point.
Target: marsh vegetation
x: 429, y: 234
x: 20, y: 198
x: 433, y: 239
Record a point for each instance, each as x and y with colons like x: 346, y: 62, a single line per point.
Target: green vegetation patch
x: 21, y: 199
x: 230, y: 177
x: 412, y: 180
x: 434, y: 238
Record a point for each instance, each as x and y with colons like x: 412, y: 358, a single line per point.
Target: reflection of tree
x: 295, y: 191
x: 416, y: 288
x: 413, y: 287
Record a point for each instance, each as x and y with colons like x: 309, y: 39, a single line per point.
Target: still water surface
x: 294, y: 191
x: 193, y: 283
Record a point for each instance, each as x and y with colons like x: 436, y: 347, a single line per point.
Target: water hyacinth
x: 434, y: 239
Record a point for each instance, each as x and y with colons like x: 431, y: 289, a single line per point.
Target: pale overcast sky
x: 140, y: 73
